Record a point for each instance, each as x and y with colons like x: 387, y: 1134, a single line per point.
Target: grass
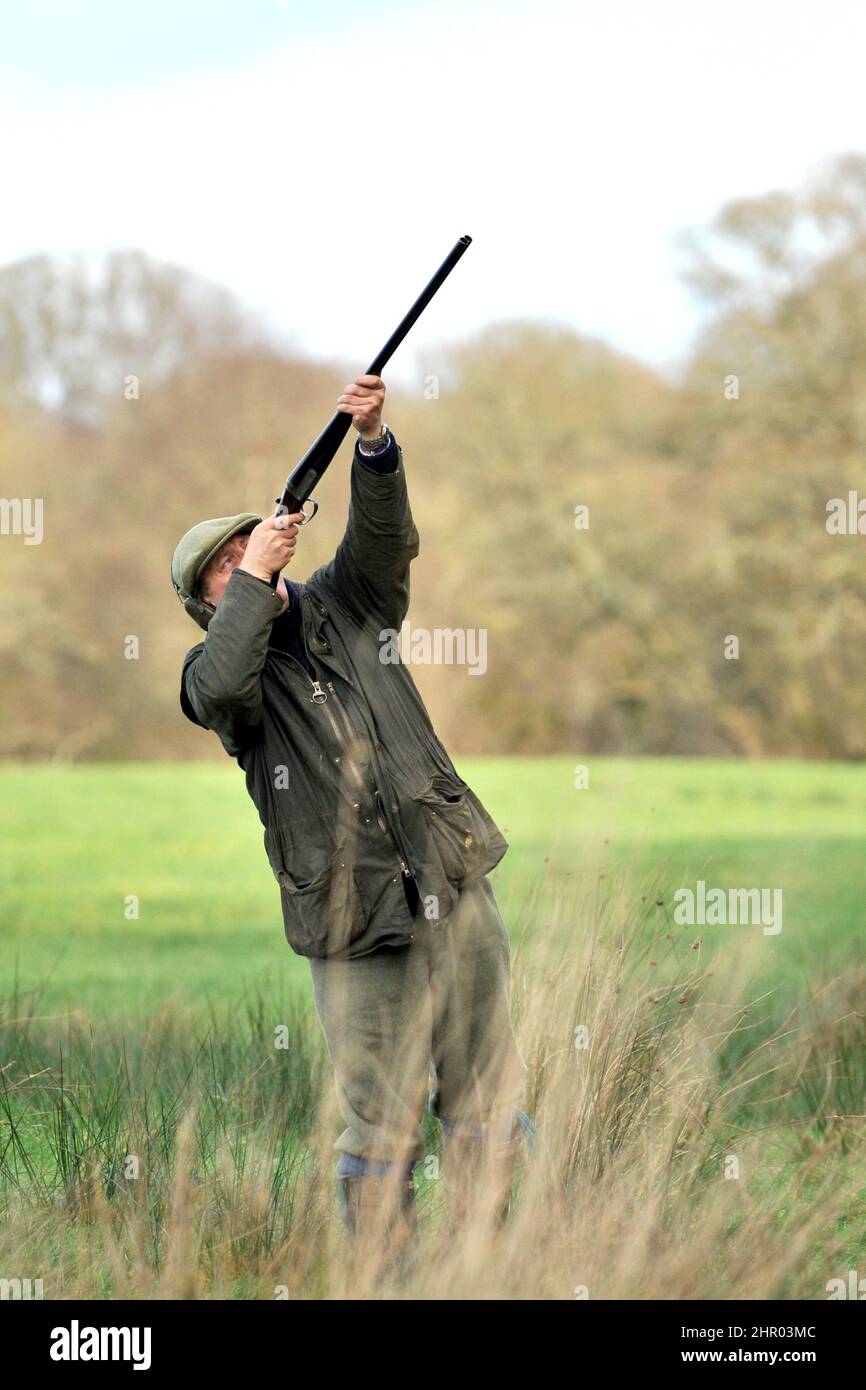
x: 186, y: 842
x: 694, y: 1148
x: 155, y: 1142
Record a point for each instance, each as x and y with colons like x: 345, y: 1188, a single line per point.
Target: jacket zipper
x: 383, y: 826
x: 319, y: 696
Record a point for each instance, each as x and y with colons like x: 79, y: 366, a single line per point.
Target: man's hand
x: 271, y: 545
x: 364, y: 399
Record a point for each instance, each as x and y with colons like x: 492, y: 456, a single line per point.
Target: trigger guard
x: 308, y: 516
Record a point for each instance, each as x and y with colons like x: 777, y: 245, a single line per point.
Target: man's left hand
x: 364, y: 399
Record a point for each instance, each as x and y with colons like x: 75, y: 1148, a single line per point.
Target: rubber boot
x: 377, y: 1206
x: 480, y: 1169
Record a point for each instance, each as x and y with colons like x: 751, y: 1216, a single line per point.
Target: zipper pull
x: 319, y: 695
x: 405, y: 867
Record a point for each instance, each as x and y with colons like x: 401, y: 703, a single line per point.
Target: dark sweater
x: 286, y: 630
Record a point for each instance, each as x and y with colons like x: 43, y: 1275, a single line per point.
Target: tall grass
x: 698, y: 1138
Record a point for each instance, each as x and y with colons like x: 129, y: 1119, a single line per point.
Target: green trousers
x: 435, y: 1012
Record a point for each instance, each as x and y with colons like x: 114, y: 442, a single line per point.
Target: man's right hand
x: 271, y: 545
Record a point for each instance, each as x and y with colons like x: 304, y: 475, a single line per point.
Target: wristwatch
x: 377, y: 445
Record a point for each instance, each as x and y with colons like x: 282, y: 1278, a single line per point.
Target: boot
x: 377, y: 1206
x: 480, y: 1170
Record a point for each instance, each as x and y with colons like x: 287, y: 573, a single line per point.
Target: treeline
x: 649, y: 558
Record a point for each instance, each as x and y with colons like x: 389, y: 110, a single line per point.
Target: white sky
x: 321, y: 161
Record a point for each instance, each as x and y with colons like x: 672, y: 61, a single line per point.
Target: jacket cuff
x: 254, y: 590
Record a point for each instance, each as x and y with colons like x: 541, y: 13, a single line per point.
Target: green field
x: 186, y: 841
x: 152, y: 1039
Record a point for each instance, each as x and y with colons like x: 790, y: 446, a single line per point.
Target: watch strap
x: 377, y: 445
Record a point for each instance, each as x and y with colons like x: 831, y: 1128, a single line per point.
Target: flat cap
x: 194, y: 550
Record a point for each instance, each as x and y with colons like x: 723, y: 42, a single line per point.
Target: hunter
x: 381, y: 850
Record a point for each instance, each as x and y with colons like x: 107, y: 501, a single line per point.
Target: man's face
x: 220, y: 569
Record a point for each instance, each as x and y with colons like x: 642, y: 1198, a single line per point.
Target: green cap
x: 194, y: 551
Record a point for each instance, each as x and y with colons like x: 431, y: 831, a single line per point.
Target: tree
x: 76, y: 333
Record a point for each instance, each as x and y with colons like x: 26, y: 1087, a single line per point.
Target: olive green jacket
x: 314, y: 766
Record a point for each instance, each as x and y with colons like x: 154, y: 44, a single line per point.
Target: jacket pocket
x: 467, y: 841
x: 325, y: 904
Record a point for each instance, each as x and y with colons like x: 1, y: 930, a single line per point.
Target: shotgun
x: 303, y: 478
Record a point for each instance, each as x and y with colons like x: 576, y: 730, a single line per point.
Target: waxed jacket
x: 356, y: 793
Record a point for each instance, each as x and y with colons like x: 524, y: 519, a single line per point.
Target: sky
x: 320, y: 159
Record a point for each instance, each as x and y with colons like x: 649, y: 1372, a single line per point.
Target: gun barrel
x: 419, y: 306
x: 309, y: 470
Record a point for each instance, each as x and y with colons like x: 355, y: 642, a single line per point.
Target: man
x: 380, y: 849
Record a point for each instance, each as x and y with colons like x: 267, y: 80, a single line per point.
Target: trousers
x: 431, y: 1018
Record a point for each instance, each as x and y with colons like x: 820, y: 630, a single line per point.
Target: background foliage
x: 707, y: 513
